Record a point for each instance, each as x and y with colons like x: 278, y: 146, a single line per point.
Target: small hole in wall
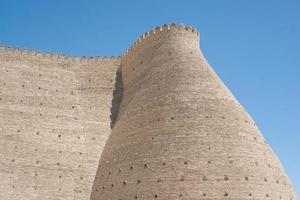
x: 145, y: 166
x: 40, y: 75
x: 135, y: 197
x: 182, y: 178
x: 142, y: 62
x: 138, y: 181
x: 59, y: 135
x: 18, y: 130
x: 159, y: 180
x: 155, y: 196
x: 170, y: 53
x: 59, y: 176
x: 226, y: 194
x: 180, y: 195
x: 246, y: 178
x: 13, y: 160
x: 37, y: 133
x: 204, y: 194
x: 250, y: 194
x: 172, y: 118
x: 164, y: 164
x: 23, y: 85
x: 124, y: 182
x: 112, y: 185
x: 40, y: 88
x: 267, y: 195
x: 185, y: 162
x: 131, y: 167
x: 73, y: 107
x: 90, y: 80
x: 204, y: 178
x: 36, y: 174
x: 225, y: 178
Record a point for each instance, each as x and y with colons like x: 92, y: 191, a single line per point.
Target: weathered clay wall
x: 180, y: 133
x: 54, y: 121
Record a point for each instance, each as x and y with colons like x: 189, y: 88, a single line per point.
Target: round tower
x: 180, y: 133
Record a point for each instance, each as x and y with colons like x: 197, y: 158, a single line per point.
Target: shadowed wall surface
x: 177, y: 131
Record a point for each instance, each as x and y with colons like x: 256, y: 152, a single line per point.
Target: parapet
x: 139, y: 43
x: 23, y: 54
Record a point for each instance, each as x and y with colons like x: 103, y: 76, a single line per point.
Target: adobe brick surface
x: 181, y: 134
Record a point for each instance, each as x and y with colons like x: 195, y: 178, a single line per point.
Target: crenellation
x: 15, y: 54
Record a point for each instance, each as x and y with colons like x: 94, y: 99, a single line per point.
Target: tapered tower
x: 180, y: 133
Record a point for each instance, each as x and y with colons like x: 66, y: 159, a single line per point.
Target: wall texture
x: 180, y: 133
x: 54, y: 121
x: 177, y: 131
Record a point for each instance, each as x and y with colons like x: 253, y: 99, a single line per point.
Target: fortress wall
x: 180, y: 133
x: 54, y: 121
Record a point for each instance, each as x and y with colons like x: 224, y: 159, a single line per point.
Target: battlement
x: 15, y: 53
x: 154, y: 33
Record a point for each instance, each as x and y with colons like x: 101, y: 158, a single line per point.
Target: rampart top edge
x: 155, y: 31
x: 23, y: 53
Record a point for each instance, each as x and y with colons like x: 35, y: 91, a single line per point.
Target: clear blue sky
x: 254, y: 45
